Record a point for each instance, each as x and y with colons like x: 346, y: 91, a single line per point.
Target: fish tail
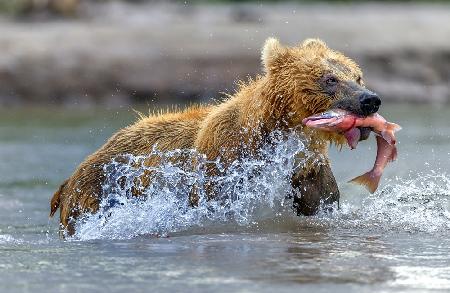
x: 369, y: 179
x: 56, y: 199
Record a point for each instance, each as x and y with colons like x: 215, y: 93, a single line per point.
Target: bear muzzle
x: 356, y: 99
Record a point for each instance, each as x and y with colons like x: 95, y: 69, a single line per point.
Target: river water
x: 396, y: 240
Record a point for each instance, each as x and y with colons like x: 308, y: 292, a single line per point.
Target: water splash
x: 420, y: 204
x: 251, y: 191
x: 6, y: 238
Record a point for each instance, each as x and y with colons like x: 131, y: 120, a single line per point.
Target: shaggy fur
x: 286, y: 93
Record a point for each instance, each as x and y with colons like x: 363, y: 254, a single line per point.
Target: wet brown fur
x: 286, y: 93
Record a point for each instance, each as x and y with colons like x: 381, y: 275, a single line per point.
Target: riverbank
x: 120, y: 54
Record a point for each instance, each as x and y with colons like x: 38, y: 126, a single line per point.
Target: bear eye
x: 331, y: 80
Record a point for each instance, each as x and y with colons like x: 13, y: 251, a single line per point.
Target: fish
x: 345, y: 122
x: 350, y: 125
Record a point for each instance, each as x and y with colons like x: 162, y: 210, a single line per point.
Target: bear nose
x: 370, y: 103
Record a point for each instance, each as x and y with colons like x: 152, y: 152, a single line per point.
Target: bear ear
x: 313, y: 43
x: 271, y: 51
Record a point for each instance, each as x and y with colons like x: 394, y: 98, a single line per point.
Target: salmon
x: 349, y: 124
x: 338, y: 120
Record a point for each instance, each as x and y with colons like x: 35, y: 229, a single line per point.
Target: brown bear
x: 297, y: 82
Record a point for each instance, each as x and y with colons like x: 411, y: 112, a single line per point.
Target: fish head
x: 328, y: 120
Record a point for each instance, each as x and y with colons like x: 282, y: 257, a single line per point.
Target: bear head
x: 311, y: 78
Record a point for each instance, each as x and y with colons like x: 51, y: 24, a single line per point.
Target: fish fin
x: 393, y: 155
x: 369, y: 179
x: 389, y: 137
x: 388, y: 133
x: 56, y: 199
x: 393, y: 127
x: 353, y: 136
